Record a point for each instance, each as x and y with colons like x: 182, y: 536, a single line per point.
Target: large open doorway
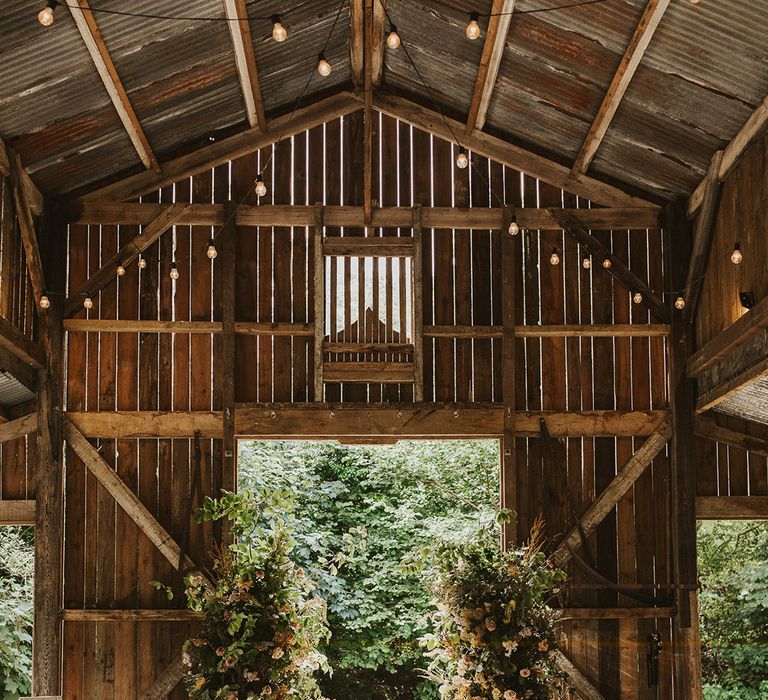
x: 377, y: 504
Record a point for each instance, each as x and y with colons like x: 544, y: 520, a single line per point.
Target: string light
x: 323, y: 67
x: 514, y: 227
x: 211, y: 252
x: 45, y: 16
x: 45, y: 302
x: 279, y: 33
x: 607, y: 263
x: 637, y: 298
x: 88, y: 302
x: 461, y: 159
x: 554, y: 259
x: 473, y: 28
x: 586, y: 263
x: 679, y: 303
x: 260, y: 188
x: 393, y: 39
x: 737, y: 256
x: 120, y: 270
x: 174, y: 271
x: 142, y: 263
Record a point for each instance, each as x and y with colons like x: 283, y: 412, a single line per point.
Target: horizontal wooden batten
x: 391, y: 348
x: 630, y: 330
x: 87, y: 325
x: 282, y: 328
x: 17, y: 512
x: 369, y: 247
x: 616, y: 613
x: 708, y: 427
x: 154, y: 615
x: 283, y: 215
x: 148, y: 424
x: 732, y: 507
x: 369, y: 372
x: 18, y: 428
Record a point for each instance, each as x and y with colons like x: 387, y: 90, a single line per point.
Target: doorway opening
x: 377, y: 505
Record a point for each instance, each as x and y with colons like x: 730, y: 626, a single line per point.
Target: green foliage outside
x: 733, y: 571
x: 405, y: 496
x: 17, y: 568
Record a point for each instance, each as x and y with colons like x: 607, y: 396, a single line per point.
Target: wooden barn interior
x: 592, y: 289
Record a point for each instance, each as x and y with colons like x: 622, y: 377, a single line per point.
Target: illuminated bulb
x: 637, y: 298
x: 45, y: 16
x: 45, y: 302
x: 323, y: 67
x: 607, y: 263
x: 174, y: 271
x: 393, y: 39
x: 514, y: 228
x: 211, y: 252
x: 142, y: 263
x: 279, y: 33
x: 587, y: 263
x: 261, y: 188
x: 679, y: 303
x: 737, y: 256
x: 554, y: 259
x: 461, y: 160
x: 473, y: 28
x: 88, y: 302
x: 120, y: 270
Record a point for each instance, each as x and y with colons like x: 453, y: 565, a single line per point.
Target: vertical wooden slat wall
x: 110, y: 563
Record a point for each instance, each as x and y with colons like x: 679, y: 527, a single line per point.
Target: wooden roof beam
x: 488, y: 70
x: 7, y: 158
x: 506, y: 153
x: 245, y: 60
x: 89, y: 30
x: 753, y: 128
x: 756, y: 442
x: 649, y: 22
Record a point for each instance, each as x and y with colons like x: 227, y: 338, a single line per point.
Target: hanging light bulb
x: 587, y: 263
x: 260, y: 188
x: 637, y: 298
x: 514, y: 228
x: 393, y: 39
x: 473, y: 28
x: 680, y: 303
x: 88, y: 302
x: 279, y: 33
x: 737, y: 256
x: 142, y: 263
x: 211, y: 252
x: 554, y: 259
x: 120, y: 270
x: 174, y: 271
x: 323, y: 67
x: 45, y: 16
x: 607, y: 263
x: 45, y: 302
x: 461, y: 159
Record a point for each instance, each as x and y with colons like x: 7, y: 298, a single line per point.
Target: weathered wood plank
x: 165, y: 682
x: 398, y: 247
x: 26, y: 350
x: 365, y: 372
x: 14, y: 429
x: 417, y: 287
x: 149, y: 424
x: 577, y: 679
x: 17, y: 512
x: 707, y: 427
x: 616, y: 613
x: 732, y: 507
x: 132, y: 615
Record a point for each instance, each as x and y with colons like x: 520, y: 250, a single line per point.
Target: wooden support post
x: 368, y: 114
x: 685, y: 630
x: 319, y: 301
x: 509, y: 494
x: 417, y: 289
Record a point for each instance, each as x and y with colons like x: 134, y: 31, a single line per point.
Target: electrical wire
x: 553, y: 8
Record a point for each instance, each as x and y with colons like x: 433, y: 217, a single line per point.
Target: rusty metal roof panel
x: 748, y: 403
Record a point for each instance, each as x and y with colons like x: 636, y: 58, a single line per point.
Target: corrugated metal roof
x: 12, y: 392
x: 749, y: 403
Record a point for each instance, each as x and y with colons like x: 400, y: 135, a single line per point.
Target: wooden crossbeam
x: 157, y: 424
x: 707, y: 427
x: 581, y: 684
x: 633, y: 55
x: 18, y: 428
x: 15, y: 342
x: 126, y: 498
x: 17, y: 512
x: 133, y: 615
x: 228, y: 149
x: 628, y: 279
x: 33, y: 196
x: 732, y: 507
x: 368, y: 372
x: 165, y: 682
x: 245, y: 60
x: 126, y: 255
x: 89, y: 31
x: 702, y: 238
x: 613, y: 493
x: 285, y: 215
x: 375, y: 247
x: 753, y: 128
x: 618, y: 330
x: 506, y: 153
x: 488, y: 70
x: 616, y: 613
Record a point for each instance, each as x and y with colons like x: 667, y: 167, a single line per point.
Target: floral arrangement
x: 493, y: 634
x: 262, y: 627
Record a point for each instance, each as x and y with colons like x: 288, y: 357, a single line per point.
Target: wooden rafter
x: 732, y: 507
x: 618, y: 269
x: 17, y: 512
x: 33, y: 196
x: 506, y: 153
x: 228, y: 149
x: 488, y: 70
x: 708, y: 427
x: 245, y: 60
x: 753, y: 128
x: 15, y: 342
x: 646, y: 27
x: 126, y: 255
x: 126, y: 498
x: 89, y: 31
x: 614, y: 492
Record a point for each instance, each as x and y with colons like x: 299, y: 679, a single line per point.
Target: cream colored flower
x: 266, y: 690
x: 278, y: 653
x: 526, y: 632
x: 543, y: 645
x: 510, y: 695
x: 490, y: 624
x: 525, y: 672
